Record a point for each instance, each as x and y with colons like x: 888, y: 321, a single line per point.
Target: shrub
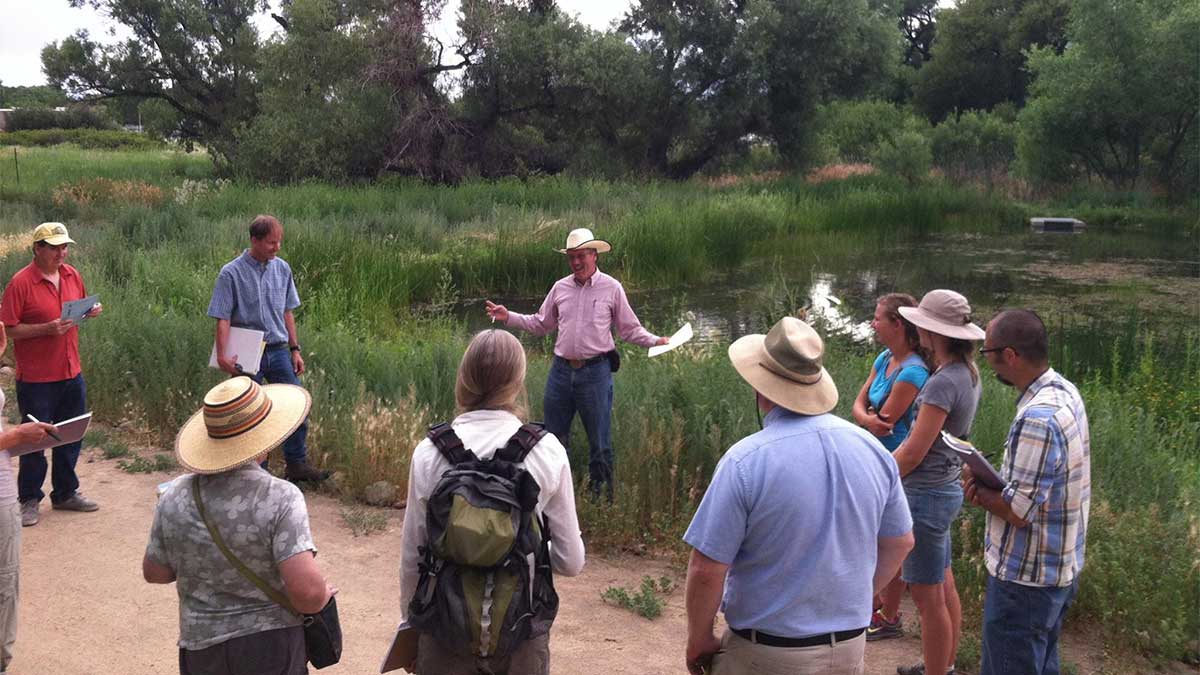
x: 974, y: 145
x: 75, y: 118
x: 908, y: 156
x: 92, y: 139
x: 852, y: 131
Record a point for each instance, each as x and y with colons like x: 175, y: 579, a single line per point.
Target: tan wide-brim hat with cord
x: 785, y: 366
x: 240, y: 420
x: 583, y: 238
x: 946, y: 313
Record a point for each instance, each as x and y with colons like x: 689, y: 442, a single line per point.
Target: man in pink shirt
x: 584, y: 307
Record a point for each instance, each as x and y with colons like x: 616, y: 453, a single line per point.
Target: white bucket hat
x: 583, y: 238
x: 240, y: 420
x: 945, y: 313
x: 785, y: 366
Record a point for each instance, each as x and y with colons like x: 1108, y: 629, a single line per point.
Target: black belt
x: 276, y: 345
x: 579, y: 363
x: 827, y: 639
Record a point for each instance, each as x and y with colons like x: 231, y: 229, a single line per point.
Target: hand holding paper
x: 681, y: 336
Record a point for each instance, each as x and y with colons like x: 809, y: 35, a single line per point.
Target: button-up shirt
x: 584, y: 314
x: 31, y: 298
x: 1047, y: 471
x: 253, y: 294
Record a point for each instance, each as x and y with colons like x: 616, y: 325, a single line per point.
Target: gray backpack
x: 485, y: 584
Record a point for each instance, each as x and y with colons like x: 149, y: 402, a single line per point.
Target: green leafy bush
x: 92, y: 139
x: 907, y: 156
x: 852, y: 131
x: 974, y: 145
x: 75, y: 118
x: 645, y: 602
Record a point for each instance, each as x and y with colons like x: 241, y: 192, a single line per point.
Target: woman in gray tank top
x: 930, y: 470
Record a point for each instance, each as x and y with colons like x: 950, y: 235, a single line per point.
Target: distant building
x: 4, y: 118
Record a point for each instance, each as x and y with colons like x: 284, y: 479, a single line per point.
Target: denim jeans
x: 933, y: 512
x: 51, y: 402
x: 588, y: 391
x: 1021, y: 625
x: 276, y: 368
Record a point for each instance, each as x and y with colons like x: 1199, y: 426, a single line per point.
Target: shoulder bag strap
x: 521, y: 443
x: 273, y: 594
x: 449, y: 444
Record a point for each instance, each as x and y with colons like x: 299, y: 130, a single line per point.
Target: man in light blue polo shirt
x: 803, y: 522
x: 256, y: 290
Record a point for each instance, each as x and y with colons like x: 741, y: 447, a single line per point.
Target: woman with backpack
x: 885, y: 406
x: 482, y: 532
x: 229, y: 508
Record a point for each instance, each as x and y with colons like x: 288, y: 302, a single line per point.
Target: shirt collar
x: 1036, y: 386
x: 591, y: 280
x: 63, y: 271
x: 476, y: 416
x: 777, y: 413
x: 252, y: 261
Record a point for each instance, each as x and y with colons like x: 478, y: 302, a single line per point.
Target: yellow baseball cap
x: 54, y: 234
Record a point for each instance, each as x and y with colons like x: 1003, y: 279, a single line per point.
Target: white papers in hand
x: 76, y: 310
x: 680, y: 337
x: 247, y: 344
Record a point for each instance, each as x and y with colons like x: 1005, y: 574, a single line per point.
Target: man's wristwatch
x: 293, y: 348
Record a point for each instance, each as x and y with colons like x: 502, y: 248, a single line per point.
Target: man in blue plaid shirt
x: 1037, y: 524
x: 256, y: 290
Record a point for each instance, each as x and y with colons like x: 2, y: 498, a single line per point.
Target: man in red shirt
x: 50, y: 383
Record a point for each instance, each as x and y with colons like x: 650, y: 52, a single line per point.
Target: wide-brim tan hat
x: 785, y: 366
x: 583, y: 238
x: 240, y: 420
x: 946, y: 313
x: 54, y: 234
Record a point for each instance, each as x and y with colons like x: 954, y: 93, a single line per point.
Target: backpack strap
x: 449, y: 444
x: 529, y: 435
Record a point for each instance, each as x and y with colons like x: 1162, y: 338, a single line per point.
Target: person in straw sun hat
x: 583, y: 307
x: 930, y: 470
x: 223, y: 617
x: 802, y: 523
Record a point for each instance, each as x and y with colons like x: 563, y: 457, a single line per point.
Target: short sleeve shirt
x: 953, y: 389
x: 30, y: 298
x: 913, y: 371
x: 262, y: 519
x: 796, y: 510
x: 253, y: 294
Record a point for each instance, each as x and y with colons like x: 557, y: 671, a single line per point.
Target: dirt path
x: 85, y: 609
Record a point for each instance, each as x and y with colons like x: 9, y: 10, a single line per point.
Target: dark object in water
x: 1057, y: 225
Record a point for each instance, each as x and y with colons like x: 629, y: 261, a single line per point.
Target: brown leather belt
x: 579, y: 363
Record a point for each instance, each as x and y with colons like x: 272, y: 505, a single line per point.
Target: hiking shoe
x: 882, y: 629
x: 919, y: 669
x: 29, y: 513
x: 303, y: 471
x: 77, y: 502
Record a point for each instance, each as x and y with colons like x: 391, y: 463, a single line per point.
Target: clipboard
x: 982, y: 469
x: 403, y: 652
x: 69, y: 431
x: 76, y: 310
x: 247, y: 343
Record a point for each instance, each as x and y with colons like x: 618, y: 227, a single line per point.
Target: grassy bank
x: 379, y: 265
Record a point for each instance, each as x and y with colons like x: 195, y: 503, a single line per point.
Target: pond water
x: 1091, y: 289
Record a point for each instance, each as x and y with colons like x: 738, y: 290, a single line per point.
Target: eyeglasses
x: 989, y: 350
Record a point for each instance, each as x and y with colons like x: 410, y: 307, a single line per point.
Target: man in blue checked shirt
x: 255, y: 290
x: 1037, y: 524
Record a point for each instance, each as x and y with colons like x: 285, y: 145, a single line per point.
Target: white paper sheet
x: 680, y: 337
x: 75, y: 310
x: 247, y: 344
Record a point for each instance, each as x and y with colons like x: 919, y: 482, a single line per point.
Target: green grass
x: 140, y: 464
x: 362, y: 521
x: 378, y: 266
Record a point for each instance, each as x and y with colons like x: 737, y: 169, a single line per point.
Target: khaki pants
x: 10, y: 565
x: 739, y: 656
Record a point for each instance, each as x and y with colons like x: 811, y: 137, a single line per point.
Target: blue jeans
x: 1021, y: 625
x: 276, y: 368
x: 51, y: 402
x: 933, y: 512
x: 588, y: 391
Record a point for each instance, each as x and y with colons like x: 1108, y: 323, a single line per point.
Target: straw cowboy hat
x: 583, y: 238
x: 785, y: 366
x: 945, y: 313
x: 54, y: 234
x: 240, y: 420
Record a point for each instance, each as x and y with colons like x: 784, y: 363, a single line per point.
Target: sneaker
x: 77, y: 502
x: 29, y: 513
x: 303, y: 471
x: 919, y: 669
x: 882, y: 629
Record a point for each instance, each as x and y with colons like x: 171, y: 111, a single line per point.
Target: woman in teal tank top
x: 885, y: 407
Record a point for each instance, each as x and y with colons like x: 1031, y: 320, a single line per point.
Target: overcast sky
x: 29, y: 24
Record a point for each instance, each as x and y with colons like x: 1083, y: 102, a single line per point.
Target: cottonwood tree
x: 197, y: 56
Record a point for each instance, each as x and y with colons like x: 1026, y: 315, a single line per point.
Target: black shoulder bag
x: 322, y: 631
